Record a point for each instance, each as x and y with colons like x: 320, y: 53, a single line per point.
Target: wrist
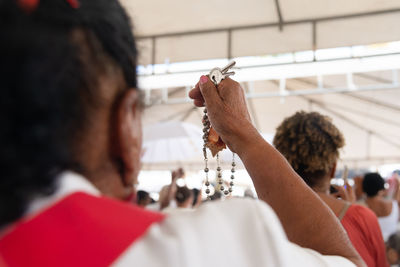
x: 246, y: 138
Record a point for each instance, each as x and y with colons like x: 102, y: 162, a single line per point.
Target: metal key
x: 217, y: 75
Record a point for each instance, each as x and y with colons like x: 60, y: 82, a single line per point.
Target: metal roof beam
x: 274, y: 72
x: 278, y: 24
x: 279, y: 13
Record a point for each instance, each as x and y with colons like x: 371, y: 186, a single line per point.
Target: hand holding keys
x: 217, y: 75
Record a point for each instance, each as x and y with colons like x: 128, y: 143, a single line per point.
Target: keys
x: 217, y: 75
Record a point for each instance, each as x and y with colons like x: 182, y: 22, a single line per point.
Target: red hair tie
x: 30, y: 5
x: 73, y: 3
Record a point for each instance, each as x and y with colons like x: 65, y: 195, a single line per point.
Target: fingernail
x: 203, y: 79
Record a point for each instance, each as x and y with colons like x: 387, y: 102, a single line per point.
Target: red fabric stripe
x: 73, y: 3
x: 80, y: 230
x: 28, y: 5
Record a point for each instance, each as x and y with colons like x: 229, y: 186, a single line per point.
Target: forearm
x: 169, y: 196
x: 306, y: 219
x: 164, y: 203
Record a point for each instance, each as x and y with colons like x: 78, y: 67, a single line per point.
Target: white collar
x: 67, y: 183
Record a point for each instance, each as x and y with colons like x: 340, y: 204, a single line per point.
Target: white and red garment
x: 79, y: 227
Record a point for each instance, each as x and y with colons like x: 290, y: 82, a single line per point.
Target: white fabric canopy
x: 181, y: 30
x: 360, y: 94
x: 369, y: 120
x: 171, y: 141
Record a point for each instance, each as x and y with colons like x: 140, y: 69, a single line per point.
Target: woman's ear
x: 127, y: 136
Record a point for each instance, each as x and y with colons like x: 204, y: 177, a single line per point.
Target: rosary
x: 211, y: 139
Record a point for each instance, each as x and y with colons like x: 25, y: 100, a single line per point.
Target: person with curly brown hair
x: 311, y: 144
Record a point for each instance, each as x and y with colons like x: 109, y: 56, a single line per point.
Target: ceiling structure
x: 369, y: 120
x: 360, y: 94
x: 181, y: 30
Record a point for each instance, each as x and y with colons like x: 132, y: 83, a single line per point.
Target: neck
x: 377, y: 197
x: 323, y: 186
x: 185, y: 204
x: 109, y: 182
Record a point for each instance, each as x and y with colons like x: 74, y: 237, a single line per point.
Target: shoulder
x: 95, y: 225
x: 362, y: 217
x: 90, y: 215
x: 98, y: 206
x: 240, y: 208
x: 239, y: 212
x: 237, y: 207
x: 87, y: 208
x: 241, y: 216
x: 236, y: 232
x: 356, y: 209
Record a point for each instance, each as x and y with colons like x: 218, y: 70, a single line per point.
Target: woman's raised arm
x: 307, y: 221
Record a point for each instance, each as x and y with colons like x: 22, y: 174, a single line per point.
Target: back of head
x: 311, y: 143
x: 393, y: 249
x: 196, y: 193
x: 142, y: 197
x: 394, y: 242
x: 183, y: 194
x: 372, y: 184
x: 216, y: 196
x: 52, y: 55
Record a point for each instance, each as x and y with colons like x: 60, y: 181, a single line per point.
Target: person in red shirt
x: 362, y: 226
x: 311, y: 143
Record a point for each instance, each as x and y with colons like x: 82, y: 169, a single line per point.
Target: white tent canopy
x: 360, y: 92
x: 181, y: 30
x: 370, y: 122
x: 364, y: 105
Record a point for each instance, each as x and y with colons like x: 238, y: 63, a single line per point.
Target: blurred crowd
x: 368, y: 209
x: 172, y: 197
x: 371, y: 190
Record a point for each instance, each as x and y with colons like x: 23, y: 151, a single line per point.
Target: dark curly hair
x: 373, y: 183
x: 394, y: 242
x: 51, y: 58
x: 311, y: 143
x: 183, y: 194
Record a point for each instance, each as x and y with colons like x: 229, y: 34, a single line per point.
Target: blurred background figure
x: 216, y: 196
x: 184, y: 198
x: 386, y: 210
x: 393, y: 186
x: 311, y: 143
x: 249, y: 193
x: 143, y: 198
x: 358, y: 189
x: 197, y: 197
x: 345, y: 192
x: 393, y: 249
x: 167, y: 192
